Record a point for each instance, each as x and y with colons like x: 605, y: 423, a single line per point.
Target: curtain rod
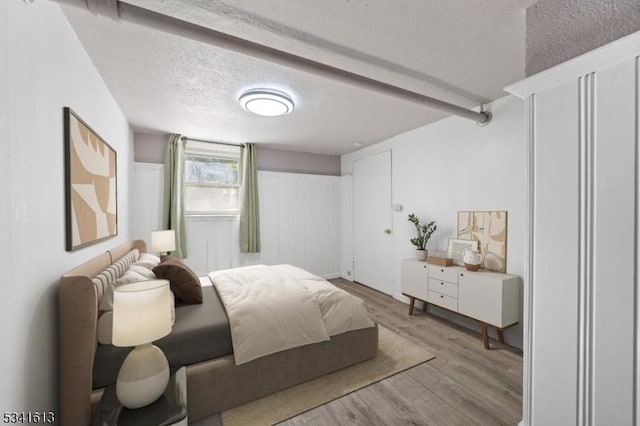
x: 239, y: 145
x: 118, y: 10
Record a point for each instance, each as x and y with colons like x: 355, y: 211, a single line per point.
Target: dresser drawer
x: 443, y: 287
x: 443, y: 300
x: 443, y: 273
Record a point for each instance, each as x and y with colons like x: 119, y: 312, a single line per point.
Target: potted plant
x: 424, y: 233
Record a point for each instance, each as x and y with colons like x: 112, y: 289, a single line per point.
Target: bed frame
x: 212, y: 386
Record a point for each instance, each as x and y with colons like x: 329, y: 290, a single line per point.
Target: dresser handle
x: 441, y: 283
x: 441, y: 297
x: 441, y: 270
x: 425, y: 266
x: 461, y: 274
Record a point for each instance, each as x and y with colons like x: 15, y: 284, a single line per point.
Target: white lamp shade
x: 163, y: 241
x: 141, y: 312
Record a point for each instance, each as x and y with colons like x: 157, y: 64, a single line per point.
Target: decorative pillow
x: 148, y: 260
x: 145, y: 272
x: 185, y: 284
x: 148, y: 257
x: 131, y: 277
x: 172, y: 302
x: 105, y: 328
x: 114, y: 271
x: 106, y: 302
x: 121, y: 265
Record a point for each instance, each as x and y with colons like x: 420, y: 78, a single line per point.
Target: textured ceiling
x: 460, y: 51
x: 560, y: 30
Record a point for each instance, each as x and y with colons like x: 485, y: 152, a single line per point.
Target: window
x: 211, y: 178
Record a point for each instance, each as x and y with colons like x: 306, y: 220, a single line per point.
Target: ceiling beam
x: 136, y: 15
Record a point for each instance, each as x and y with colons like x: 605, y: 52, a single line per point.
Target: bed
x: 214, y: 384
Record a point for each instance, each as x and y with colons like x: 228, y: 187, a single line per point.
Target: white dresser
x: 491, y: 298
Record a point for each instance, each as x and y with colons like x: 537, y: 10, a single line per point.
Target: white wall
x: 146, y: 206
x: 450, y: 166
x: 299, y: 223
x: 43, y: 69
x: 277, y: 160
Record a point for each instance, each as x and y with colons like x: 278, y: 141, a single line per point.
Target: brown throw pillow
x: 184, y: 283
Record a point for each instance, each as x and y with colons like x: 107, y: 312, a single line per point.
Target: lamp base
x: 143, y: 376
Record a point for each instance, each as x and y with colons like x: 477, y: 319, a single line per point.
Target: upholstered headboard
x: 78, y: 317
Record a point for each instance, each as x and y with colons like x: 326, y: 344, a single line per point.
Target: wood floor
x: 464, y: 385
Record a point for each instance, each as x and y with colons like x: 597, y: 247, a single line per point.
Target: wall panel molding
x: 528, y: 276
x: 582, y: 301
x: 582, y: 286
x: 586, y: 224
x: 636, y: 243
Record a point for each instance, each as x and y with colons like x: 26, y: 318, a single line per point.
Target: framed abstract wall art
x: 489, y: 228
x: 90, y: 184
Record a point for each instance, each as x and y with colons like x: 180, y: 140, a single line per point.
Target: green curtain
x: 173, y: 209
x: 249, y: 205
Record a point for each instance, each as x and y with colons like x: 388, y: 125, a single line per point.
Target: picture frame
x: 489, y: 228
x: 456, y: 248
x: 91, y: 184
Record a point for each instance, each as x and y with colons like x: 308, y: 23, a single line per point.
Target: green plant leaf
x: 423, y: 232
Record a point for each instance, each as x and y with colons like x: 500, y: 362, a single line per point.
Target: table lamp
x: 141, y: 314
x: 163, y: 241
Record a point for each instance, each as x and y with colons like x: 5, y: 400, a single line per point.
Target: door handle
x: 387, y: 231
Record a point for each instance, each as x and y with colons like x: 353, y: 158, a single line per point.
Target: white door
x: 372, y: 246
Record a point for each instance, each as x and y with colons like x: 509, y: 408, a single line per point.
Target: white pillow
x: 130, y: 277
x: 147, y: 260
x: 105, y: 328
x: 106, y: 302
x: 173, y: 308
x: 149, y: 257
x: 142, y: 270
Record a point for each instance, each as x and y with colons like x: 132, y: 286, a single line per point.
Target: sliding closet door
x: 372, y: 222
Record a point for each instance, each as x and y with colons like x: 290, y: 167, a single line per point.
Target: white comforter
x: 275, y: 308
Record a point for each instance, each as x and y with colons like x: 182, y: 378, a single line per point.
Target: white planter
x: 421, y: 254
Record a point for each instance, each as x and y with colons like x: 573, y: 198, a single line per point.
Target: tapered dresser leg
x: 485, y: 335
x: 411, y: 303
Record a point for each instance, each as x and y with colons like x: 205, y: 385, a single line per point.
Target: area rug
x: 395, y: 354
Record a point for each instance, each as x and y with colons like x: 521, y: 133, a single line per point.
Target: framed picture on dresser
x: 457, y: 247
x: 91, y: 181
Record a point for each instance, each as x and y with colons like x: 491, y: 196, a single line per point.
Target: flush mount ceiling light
x: 267, y: 102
